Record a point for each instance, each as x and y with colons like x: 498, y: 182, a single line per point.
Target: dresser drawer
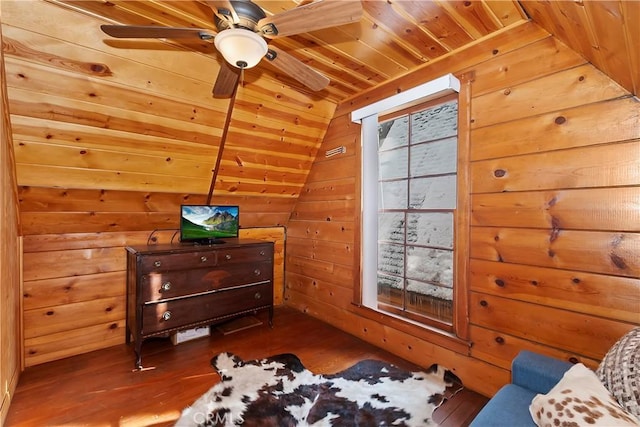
x: 245, y: 255
x: 177, y: 261
x: 171, y: 284
x: 157, y: 317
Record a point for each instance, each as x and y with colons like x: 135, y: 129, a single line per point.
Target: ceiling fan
x: 242, y: 27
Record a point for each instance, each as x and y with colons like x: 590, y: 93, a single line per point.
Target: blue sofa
x: 531, y: 373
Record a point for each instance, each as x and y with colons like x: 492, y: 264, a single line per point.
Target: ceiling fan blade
x: 223, y: 9
x: 227, y: 81
x: 297, y: 69
x: 151, y: 31
x: 310, y: 17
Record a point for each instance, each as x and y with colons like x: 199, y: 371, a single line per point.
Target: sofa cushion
x: 509, y: 407
x: 537, y: 372
x: 619, y: 371
x: 579, y: 399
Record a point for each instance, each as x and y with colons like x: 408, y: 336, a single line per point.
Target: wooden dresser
x: 174, y: 287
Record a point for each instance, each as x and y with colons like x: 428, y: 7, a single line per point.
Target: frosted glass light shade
x: 241, y: 48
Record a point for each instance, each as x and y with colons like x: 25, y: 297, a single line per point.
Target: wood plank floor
x: 102, y: 388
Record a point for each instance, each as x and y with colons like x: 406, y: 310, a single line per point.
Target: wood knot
x: 618, y: 261
x: 101, y: 69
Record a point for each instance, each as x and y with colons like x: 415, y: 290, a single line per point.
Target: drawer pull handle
x: 257, y: 295
x: 203, y: 258
x: 166, y: 286
x: 256, y: 272
x: 157, y: 263
x: 261, y: 253
x: 166, y: 315
x: 227, y: 256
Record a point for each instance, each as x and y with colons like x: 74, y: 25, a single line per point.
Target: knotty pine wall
x: 9, y: 258
x: 109, y: 139
x: 554, y: 260
x: 74, y: 288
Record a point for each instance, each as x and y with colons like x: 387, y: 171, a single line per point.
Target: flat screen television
x: 208, y: 224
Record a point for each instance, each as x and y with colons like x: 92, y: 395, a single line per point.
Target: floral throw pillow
x: 579, y: 399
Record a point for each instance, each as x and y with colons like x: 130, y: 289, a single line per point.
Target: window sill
x: 430, y: 334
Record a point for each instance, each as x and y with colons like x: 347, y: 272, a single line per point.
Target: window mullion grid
x: 405, y: 281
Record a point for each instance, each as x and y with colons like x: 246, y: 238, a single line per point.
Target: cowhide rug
x: 279, y: 391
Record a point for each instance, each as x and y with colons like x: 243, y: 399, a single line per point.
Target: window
x: 417, y: 161
x: 409, y: 188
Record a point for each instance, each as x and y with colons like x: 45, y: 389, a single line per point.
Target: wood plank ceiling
x: 393, y: 38
x: 396, y: 37
x: 109, y: 114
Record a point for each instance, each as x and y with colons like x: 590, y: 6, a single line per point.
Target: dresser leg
x: 271, y: 316
x: 138, y: 350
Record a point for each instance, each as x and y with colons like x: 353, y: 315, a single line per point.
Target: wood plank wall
x: 140, y: 116
x: 555, y: 224
x: 9, y: 257
x: 110, y: 138
x: 75, y: 288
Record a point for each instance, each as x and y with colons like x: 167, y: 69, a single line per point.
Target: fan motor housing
x: 248, y: 15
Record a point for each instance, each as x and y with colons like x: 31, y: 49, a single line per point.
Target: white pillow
x: 579, y: 399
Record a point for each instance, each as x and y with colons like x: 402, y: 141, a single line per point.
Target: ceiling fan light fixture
x: 241, y: 48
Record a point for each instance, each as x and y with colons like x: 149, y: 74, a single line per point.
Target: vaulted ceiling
x: 395, y: 37
x: 94, y: 113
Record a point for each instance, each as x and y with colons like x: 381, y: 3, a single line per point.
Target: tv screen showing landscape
x: 208, y: 223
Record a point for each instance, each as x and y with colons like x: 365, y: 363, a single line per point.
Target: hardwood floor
x: 102, y: 388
